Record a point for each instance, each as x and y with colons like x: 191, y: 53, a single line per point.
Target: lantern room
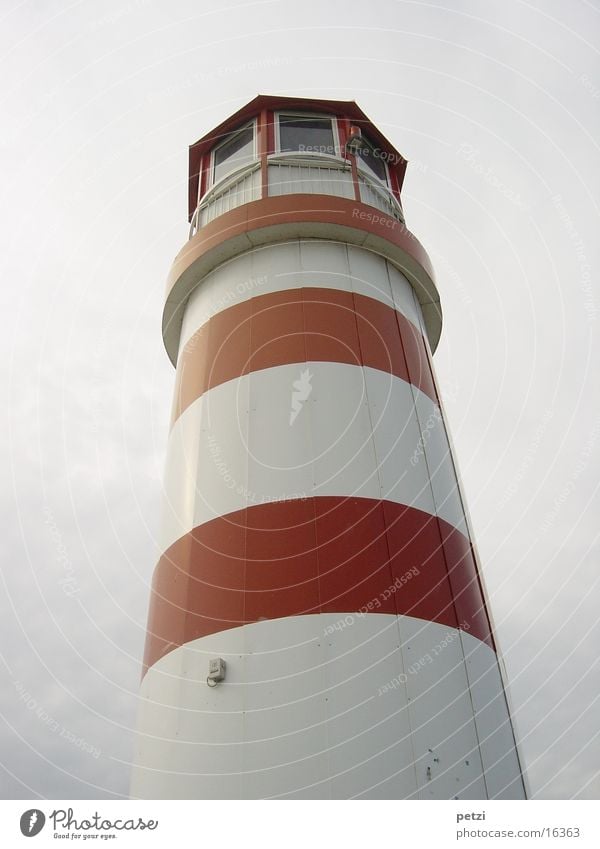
x: 283, y: 145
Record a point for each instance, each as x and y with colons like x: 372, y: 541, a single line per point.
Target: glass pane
x: 372, y: 158
x: 310, y: 134
x: 234, y: 153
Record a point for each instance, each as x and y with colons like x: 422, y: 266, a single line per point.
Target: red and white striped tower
x: 315, y: 538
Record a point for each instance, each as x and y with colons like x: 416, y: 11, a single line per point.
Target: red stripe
x: 316, y: 555
x: 301, y: 325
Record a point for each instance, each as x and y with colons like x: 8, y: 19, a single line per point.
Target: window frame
x: 287, y: 113
x: 231, y: 135
x: 364, y: 168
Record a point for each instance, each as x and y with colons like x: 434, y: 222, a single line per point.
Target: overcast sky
x: 496, y: 106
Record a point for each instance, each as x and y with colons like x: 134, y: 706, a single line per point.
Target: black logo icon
x: 32, y: 822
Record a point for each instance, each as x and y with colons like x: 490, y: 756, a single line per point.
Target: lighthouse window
x: 308, y: 133
x: 372, y: 159
x: 233, y: 153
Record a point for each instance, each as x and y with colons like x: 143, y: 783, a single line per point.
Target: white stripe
x: 434, y: 450
x: 319, y: 706
x: 293, y: 265
x: 494, y: 726
x: 357, y: 432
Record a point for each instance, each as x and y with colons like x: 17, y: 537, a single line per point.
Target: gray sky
x: 496, y: 105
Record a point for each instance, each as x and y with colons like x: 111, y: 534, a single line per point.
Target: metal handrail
x: 318, y: 160
x: 229, y: 181
x: 315, y: 160
x: 385, y: 191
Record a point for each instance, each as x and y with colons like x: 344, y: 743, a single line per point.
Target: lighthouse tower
x: 318, y: 626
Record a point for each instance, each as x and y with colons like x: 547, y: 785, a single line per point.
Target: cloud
x: 94, y: 175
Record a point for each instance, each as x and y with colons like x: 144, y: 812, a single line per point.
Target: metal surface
x: 288, y: 177
x: 355, y: 437
x: 345, y: 707
x: 272, y: 220
x: 296, y: 264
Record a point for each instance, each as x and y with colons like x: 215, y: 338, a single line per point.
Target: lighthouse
x: 318, y: 625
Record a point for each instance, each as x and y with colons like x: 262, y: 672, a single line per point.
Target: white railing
x: 375, y: 194
x: 242, y: 187
x: 293, y: 173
